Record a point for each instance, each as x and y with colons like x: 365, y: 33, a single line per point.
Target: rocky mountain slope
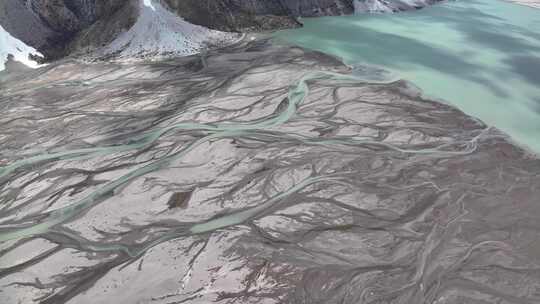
x: 254, y: 15
x: 51, y: 25
x: 60, y: 27
x: 242, y: 15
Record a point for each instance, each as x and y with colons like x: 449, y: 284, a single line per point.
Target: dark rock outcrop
x: 255, y: 15
x: 313, y: 8
x: 105, y: 28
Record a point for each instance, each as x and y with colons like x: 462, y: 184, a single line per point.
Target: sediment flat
x: 256, y: 173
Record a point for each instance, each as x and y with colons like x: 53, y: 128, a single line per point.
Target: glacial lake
x: 482, y: 56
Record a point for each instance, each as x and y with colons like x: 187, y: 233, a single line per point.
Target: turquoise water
x: 482, y: 56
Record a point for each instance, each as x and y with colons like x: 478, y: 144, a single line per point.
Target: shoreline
x: 421, y: 92
x: 434, y: 63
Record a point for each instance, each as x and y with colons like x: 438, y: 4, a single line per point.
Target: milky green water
x: 482, y: 56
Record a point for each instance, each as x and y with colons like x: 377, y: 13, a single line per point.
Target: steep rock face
x: 105, y: 29
x: 234, y: 15
x: 253, y: 15
x: 312, y: 8
x: 18, y: 19
x: 51, y: 25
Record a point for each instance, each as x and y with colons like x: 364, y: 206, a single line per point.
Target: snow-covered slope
x: 158, y: 31
x: 19, y: 50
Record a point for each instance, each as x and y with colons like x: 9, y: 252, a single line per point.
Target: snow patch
x: 371, y: 6
x: 149, y: 4
x: 388, y: 6
x: 10, y: 45
x: 158, y: 31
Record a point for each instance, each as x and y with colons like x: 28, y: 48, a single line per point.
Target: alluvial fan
x: 256, y: 174
x: 159, y: 31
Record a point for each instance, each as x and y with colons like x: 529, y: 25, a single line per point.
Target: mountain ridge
x: 58, y: 28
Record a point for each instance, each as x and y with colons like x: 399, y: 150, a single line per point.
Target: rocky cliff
x: 52, y: 25
x: 254, y: 15
x: 249, y: 15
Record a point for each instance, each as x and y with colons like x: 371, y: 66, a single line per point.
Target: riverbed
x: 256, y: 173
